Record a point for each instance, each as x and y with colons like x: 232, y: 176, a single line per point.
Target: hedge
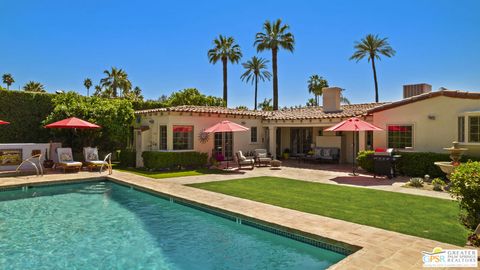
x: 413, y: 164
x: 173, y: 160
x: 25, y: 111
x: 127, y: 158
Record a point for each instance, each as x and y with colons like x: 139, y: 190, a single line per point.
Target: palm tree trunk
x: 225, y: 91
x: 256, y: 87
x: 316, y: 100
x: 375, y: 79
x: 275, y: 79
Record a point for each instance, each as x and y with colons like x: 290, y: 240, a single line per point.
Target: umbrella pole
x: 353, y: 154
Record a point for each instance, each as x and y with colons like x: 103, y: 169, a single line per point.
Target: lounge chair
x: 262, y: 158
x: 92, y: 161
x: 65, y: 160
x: 242, y: 161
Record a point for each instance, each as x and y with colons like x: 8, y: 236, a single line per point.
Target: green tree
x: 225, y: 49
x: 311, y: 102
x: 191, y: 96
x: 315, y: 85
x: 372, y: 47
x: 115, y: 116
x: 275, y: 37
x: 8, y: 80
x: 116, y: 79
x: 87, y: 83
x: 242, y: 108
x: 136, y: 94
x: 256, y: 68
x: 266, y: 105
x: 32, y: 86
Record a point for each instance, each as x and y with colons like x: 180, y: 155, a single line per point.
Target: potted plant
x: 286, y: 153
x: 47, y: 163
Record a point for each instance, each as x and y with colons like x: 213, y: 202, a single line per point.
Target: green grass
x: 168, y: 174
x: 422, y: 216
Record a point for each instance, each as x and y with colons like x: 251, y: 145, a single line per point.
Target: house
x: 422, y: 121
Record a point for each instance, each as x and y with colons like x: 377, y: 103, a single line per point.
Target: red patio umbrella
x: 4, y: 122
x: 72, y: 122
x: 355, y: 125
x: 226, y: 126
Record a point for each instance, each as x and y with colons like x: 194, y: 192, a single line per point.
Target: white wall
x: 429, y: 135
x: 27, y: 149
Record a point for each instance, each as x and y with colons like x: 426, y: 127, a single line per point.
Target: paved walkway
x: 380, y: 249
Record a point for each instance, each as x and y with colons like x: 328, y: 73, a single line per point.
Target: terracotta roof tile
x: 205, y: 109
x: 318, y: 113
x: 446, y: 93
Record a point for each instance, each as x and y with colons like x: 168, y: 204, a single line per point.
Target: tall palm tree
x: 8, y: 80
x: 256, y: 68
x: 372, y: 46
x: 275, y: 37
x: 225, y: 49
x: 117, y: 79
x: 87, y: 83
x: 136, y: 94
x: 315, y: 85
x: 32, y: 86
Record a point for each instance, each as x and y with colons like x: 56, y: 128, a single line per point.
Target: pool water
x: 102, y: 225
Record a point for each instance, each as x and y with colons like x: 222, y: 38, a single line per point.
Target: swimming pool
x: 103, y: 225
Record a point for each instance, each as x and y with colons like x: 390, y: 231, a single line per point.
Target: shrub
x: 173, y: 160
x: 25, y: 111
x: 417, y: 164
x: 438, y: 183
x: 465, y: 187
x: 365, y: 160
x: 416, y: 182
x: 127, y: 158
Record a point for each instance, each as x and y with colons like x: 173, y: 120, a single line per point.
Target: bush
x: 365, y: 160
x: 465, y: 187
x: 128, y: 158
x: 438, y: 184
x: 416, y: 182
x: 417, y: 164
x: 173, y: 160
x: 25, y: 111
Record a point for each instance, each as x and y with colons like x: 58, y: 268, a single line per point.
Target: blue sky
x: 163, y: 44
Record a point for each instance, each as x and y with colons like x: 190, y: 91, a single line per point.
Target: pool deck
x: 380, y: 249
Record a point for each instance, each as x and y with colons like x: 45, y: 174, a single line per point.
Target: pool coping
x: 378, y: 248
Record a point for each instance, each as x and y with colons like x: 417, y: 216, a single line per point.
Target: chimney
x: 411, y: 90
x: 331, y: 99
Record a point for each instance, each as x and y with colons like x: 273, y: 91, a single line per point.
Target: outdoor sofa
x: 322, y: 154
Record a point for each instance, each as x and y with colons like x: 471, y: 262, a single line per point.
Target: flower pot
x: 48, y: 163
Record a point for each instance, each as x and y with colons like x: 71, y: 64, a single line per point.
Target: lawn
x: 426, y: 217
x: 168, y: 174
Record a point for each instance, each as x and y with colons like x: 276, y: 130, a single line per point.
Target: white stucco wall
x: 27, y: 149
x: 428, y: 135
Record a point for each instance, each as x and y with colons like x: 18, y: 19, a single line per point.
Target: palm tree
x: 315, y: 85
x: 136, y: 94
x: 116, y: 79
x: 87, y: 83
x: 8, y: 80
x: 274, y: 37
x: 266, y: 105
x: 32, y: 86
x: 255, y: 69
x: 372, y: 46
x: 226, y: 50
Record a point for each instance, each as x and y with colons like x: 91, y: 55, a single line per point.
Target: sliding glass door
x: 300, y: 140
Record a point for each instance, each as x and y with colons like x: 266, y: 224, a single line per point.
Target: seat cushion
x: 97, y: 162
x: 71, y: 164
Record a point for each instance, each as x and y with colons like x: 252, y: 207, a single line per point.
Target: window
x: 400, y: 136
x: 253, y: 134
x: 461, y: 129
x: 474, y: 129
x: 162, y: 139
x: 182, y: 137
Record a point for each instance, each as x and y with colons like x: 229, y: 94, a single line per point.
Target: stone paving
x: 379, y: 249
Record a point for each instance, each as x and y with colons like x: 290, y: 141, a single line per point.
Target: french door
x: 300, y: 140
x: 223, y: 144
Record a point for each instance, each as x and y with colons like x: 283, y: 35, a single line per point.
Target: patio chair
x: 262, y: 158
x: 242, y: 161
x: 91, y: 159
x: 65, y: 160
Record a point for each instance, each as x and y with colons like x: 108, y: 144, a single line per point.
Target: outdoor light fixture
x: 431, y: 117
